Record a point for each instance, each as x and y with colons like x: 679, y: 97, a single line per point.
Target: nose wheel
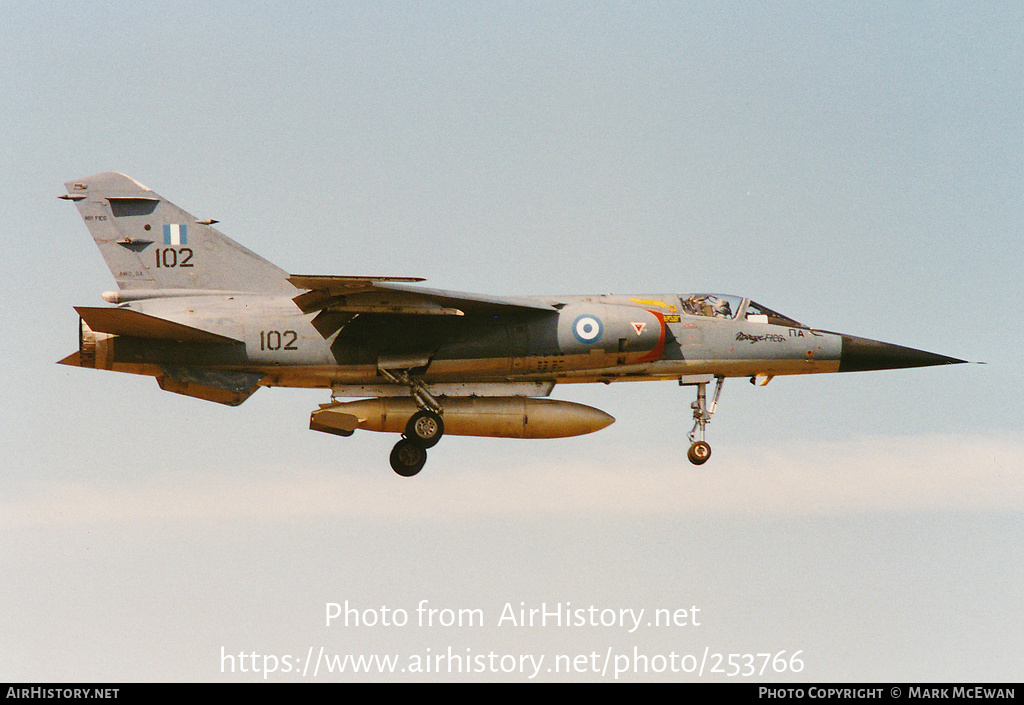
x: 700, y: 450
x: 699, y: 453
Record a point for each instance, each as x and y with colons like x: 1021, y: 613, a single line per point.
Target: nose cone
x: 860, y: 354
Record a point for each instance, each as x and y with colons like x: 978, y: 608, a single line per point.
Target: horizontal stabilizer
x: 122, y: 321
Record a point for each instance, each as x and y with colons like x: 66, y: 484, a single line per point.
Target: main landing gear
x: 423, y: 430
x: 700, y: 450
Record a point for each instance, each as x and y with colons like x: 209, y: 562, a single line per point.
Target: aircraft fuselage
x: 602, y: 338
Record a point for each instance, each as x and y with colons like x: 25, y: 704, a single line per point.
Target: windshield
x: 758, y: 313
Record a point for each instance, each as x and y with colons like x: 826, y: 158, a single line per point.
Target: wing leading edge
x: 394, y: 295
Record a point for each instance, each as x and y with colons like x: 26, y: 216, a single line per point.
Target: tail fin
x: 150, y: 243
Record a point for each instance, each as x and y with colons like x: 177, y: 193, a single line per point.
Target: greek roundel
x: 587, y: 329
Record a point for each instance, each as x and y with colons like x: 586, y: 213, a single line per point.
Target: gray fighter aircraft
x: 210, y: 319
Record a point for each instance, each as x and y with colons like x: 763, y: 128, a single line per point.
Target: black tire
x: 699, y: 453
x: 408, y: 457
x: 425, y: 428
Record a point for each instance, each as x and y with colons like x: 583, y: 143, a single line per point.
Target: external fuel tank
x: 500, y: 417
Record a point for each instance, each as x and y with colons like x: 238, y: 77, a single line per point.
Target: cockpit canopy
x: 726, y: 306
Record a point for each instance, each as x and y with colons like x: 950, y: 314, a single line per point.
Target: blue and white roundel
x: 586, y: 329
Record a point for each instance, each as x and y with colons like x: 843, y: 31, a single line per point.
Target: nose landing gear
x: 700, y: 450
x: 699, y: 453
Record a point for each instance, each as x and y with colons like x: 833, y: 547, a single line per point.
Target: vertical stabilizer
x: 150, y: 243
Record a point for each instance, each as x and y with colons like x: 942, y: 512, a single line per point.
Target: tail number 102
x: 168, y: 257
x: 278, y: 340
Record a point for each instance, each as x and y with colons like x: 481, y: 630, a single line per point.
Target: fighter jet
x: 210, y: 319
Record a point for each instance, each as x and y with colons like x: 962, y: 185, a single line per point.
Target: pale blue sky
x: 857, y: 166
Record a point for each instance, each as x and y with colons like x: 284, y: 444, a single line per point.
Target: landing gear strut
x: 423, y: 430
x: 700, y: 450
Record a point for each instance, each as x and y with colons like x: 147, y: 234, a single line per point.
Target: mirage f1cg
x: 210, y: 319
